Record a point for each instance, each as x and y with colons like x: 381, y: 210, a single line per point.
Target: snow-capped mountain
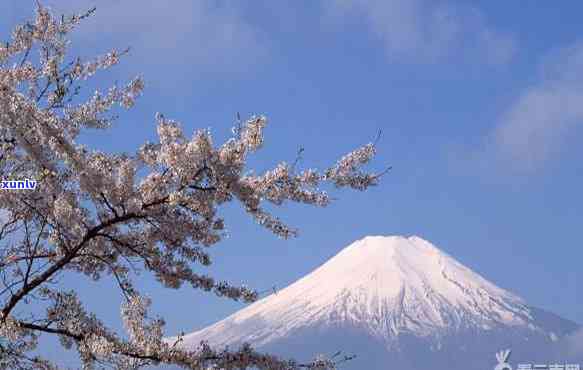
x: 397, y: 301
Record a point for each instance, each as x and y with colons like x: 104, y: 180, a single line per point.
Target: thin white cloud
x: 175, y: 38
x: 423, y: 31
x: 537, y: 122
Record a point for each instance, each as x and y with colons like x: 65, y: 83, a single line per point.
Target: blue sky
x: 479, y: 105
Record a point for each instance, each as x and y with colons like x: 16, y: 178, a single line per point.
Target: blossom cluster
x: 107, y: 215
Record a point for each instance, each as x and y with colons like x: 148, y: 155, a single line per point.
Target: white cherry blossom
x: 103, y: 215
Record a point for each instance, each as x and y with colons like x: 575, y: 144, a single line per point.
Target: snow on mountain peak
x: 386, y: 268
x: 385, y: 285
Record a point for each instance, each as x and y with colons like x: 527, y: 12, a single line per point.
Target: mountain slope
x: 397, y: 297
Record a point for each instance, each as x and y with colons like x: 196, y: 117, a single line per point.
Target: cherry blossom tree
x: 94, y: 214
